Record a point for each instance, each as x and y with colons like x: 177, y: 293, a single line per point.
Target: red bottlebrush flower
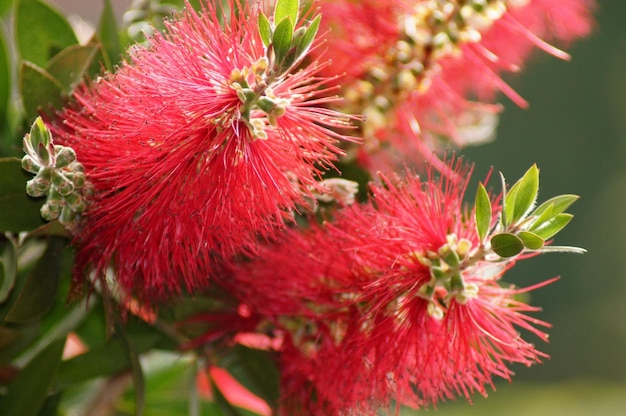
x: 394, y: 300
x: 415, y: 69
x: 195, y: 147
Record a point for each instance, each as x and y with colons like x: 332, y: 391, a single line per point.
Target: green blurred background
x: 575, y: 130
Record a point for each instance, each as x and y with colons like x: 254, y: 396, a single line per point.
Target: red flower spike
x: 185, y: 170
x: 415, y: 69
x: 394, y: 299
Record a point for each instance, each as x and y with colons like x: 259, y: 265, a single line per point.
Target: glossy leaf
x: 255, y: 370
x: 8, y: 267
x: 506, y: 245
x: 550, y: 228
x: 39, y: 90
x: 69, y: 66
x: 281, y: 41
x: 531, y: 240
x: 309, y: 36
x: 265, y: 29
x: 39, y: 293
x: 108, y: 34
x: 559, y: 204
x: 41, y: 31
x: 482, y: 211
x: 27, y: 392
x: 287, y: 9
x: 18, y: 211
x: 522, y: 196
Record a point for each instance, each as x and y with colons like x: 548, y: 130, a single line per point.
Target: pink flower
x: 426, y: 73
x: 393, y: 300
x: 187, y: 166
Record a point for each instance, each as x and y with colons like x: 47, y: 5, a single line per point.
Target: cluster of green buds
x: 285, y: 48
x: 434, y: 30
x: 58, y: 176
x: 143, y: 17
x: 446, y: 271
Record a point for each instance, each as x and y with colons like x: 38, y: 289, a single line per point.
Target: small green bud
x: 62, y: 184
x: 29, y: 165
x: 75, y: 202
x: 33, y: 189
x: 64, y: 157
x: 67, y: 216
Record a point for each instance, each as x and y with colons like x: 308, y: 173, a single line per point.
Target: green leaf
x: 27, y: 392
x: 506, y: 245
x: 5, y: 6
x: 108, y: 34
x: 287, y: 9
x: 551, y: 227
x: 522, y: 195
x: 531, y: 240
x: 265, y: 29
x: 18, y: 211
x: 255, y: 370
x: 39, y: 293
x: 69, y: 66
x: 135, y: 366
x: 303, y: 45
x: 5, y: 78
x: 39, y: 90
x: 559, y: 204
x: 8, y: 267
x: 41, y: 31
x: 281, y: 41
x: 482, y: 211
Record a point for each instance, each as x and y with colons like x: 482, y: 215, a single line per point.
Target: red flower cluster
x: 360, y: 300
x: 186, y: 168
x: 426, y: 72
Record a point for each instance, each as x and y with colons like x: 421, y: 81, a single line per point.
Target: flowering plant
x: 269, y: 191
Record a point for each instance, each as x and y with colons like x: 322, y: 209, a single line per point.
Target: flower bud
x: 64, y: 157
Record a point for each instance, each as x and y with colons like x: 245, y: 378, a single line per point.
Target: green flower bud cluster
x: 434, y: 30
x: 58, y: 176
x: 446, y: 270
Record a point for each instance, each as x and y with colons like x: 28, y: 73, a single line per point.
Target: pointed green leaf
x: 303, y: 45
x: 39, y: 293
x: 482, y: 211
x: 18, y: 211
x: 559, y: 204
x: 71, y: 65
x: 39, y: 90
x: 531, y: 240
x: 8, y: 267
x: 281, y: 41
x: 522, y: 196
x: 265, y: 29
x: 27, y: 392
x: 545, y: 215
x: 287, y: 9
x: 139, y: 385
x: 506, y: 245
x: 108, y: 34
x: 504, y: 217
x: 41, y: 31
x: 551, y: 227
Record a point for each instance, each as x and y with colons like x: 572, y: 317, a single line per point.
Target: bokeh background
x: 575, y: 130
